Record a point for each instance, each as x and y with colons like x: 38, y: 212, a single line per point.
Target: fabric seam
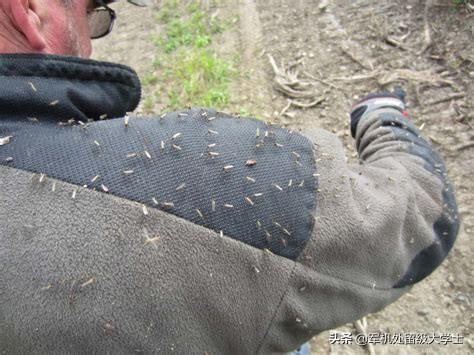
x: 384, y: 289
x: 140, y: 203
x: 293, y: 269
x: 379, y: 289
x: 68, y: 59
x: 70, y: 79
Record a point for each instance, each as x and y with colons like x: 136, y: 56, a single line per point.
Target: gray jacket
x: 198, y: 232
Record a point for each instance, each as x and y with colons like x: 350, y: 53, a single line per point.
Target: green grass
x: 194, y: 73
x: 245, y: 113
x: 148, y: 104
x: 168, y: 11
x: 149, y: 79
x: 196, y: 30
x: 201, y: 79
x: 462, y: 4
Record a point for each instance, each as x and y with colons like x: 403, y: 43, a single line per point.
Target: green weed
x: 194, y: 74
x: 148, y: 104
x: 168, y: 11
x: 149, y: 79
x: 460, y: 4
x: 200, y: 79
x: 192, y: 28
x: 157, y: 62
x: 245, y: 113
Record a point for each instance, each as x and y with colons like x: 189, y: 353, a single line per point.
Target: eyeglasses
x: 101, y: 19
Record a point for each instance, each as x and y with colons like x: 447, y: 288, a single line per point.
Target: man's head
x: 39, y: 26
x: 53, y: 26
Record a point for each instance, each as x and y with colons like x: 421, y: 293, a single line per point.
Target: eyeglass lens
x: 100, y: 22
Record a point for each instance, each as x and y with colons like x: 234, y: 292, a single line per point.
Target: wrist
x: 372, y: 103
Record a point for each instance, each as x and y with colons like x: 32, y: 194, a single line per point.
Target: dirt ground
x: 349, y: 49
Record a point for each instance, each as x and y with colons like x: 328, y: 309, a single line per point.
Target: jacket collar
x: 59, y: 88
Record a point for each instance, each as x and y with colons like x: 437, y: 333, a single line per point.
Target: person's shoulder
x: 197, y: 113
x: 218, y: 122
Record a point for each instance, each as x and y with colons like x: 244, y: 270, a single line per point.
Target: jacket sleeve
x: 380, y: 226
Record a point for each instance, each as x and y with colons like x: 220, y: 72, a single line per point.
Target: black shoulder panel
x: 252, y: 181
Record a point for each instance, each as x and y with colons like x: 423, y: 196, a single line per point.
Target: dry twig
x: 464, y: 146
x: 361, y: 327
x: 308, y: 105
x: 286, y: 108
x: 360, y: 77
x: 428, y: 40
x: 425, y: 77
x: 301, y: 105
x: 357, y: 60
x: 394, y: 42
x: 420, y: 77
x: 321, y: 81
x: 453, y: 96
x: 288, y: 83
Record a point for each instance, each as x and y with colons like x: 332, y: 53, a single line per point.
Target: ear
x: 25, y: 17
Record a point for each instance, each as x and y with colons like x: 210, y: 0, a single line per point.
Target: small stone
x: 422, y: 312
x: 462, y: 298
